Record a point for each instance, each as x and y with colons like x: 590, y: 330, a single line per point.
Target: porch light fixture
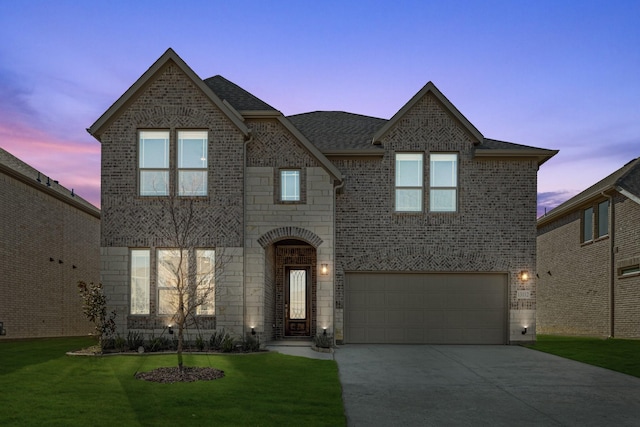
x: 324, y: 269
x: 253, y: 330
x: 524, y: 330
x: 170, y: 330
x: 324, y: 331
x: 524, y: 275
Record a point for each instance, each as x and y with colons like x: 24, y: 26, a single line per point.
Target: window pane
x: 587, y: 224
x: 408, y: 200
x: 205, y: 277
x: 140, y: 277
x: 192, y: 149
x: 154, y: 183
x: 603, y: 219
x: 172, y: 278
x: 290, y: 185
x: 154, y: 149
x: 444, y: 170
x: 443, y: 200
x: 409, y: 170
x: 298, y: 294
x: 192, y: 183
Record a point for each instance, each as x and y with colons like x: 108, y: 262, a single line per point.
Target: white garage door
x: 421, y: 308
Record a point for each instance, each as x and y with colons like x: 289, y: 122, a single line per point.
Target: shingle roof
x: 333, y: 131
x: 626, y: 178
x: 15, y: 167
x: 239, y: 98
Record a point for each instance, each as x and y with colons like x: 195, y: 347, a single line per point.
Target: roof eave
x: 170, y: 55
x: 539, y: 154
x: 577, y: 203
x: 354, y: 153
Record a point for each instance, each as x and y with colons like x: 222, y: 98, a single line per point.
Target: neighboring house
x: 589, y: 260
x: 50, y: 241
x: 415, y: 229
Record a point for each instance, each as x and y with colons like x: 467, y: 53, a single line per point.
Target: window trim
x: 594, y: 226
x: 142, y: 169
x: 302, y: 186
x: 149, y: 274
x: 205, y: 158
x: 454, y: 188
x: 419, y: 189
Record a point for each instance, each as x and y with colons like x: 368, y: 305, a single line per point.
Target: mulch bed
x: 175, y: 375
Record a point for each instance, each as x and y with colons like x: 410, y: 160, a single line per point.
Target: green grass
x: 40, y: 385
x: 615, y: 354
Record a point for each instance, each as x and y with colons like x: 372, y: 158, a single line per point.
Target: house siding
x: 493, y: 230
x: 47, y: 246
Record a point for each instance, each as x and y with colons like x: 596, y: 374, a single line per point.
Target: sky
x: 560, y: 74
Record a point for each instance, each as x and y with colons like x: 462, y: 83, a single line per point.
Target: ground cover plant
x: 43, y: 386
x: 616, y: 354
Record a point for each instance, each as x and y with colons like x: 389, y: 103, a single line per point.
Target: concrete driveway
x: 430, y: 385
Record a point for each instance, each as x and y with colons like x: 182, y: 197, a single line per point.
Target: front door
x: 296, y: 306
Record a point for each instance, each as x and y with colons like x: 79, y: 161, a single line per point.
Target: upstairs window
x: 290, y: 185
x: 154, y: 163
x: 409, y: 179
x: 595, y: 221
x: 603, y: 219
x: 587, y: 225
x: 443, y: 195
x: 192, y: 163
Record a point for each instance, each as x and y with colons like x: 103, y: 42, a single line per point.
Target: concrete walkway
x: 298, y: 348
x: 424, y: 385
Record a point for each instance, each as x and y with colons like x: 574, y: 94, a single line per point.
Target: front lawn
x: 42, y: 386
x: 615, y: 354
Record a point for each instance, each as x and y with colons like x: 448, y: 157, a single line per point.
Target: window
x: 587, y: 225
x: 192, y: 163
x: 290, y: 185
x: 409, y: 173
x: 172, y: 278
x: 630, y: 271
x: 444, y: 182
x: 205, y: 281
x: 154, y: 163
x: 603, y: 219
x: 140, y: 273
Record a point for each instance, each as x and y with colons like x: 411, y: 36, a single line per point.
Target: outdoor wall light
x: 253, y: 330
x: 170, y: 330
x: 524, y: 331
x: 324, y: 331
x: 324, y: 269
x: 524, y: 275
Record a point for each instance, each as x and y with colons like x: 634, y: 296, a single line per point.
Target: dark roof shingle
x: 239, y: 98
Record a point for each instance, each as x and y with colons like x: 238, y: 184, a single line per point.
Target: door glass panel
x: 297, y: 294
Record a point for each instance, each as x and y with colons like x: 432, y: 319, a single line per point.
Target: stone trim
x: 281, y: 233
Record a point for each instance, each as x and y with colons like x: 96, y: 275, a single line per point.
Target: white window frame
x: 192, y: 174
x: 440, y: 187
x: 409, y: 188
x: 206, y: 281
x: 170, y: 278
x: 290, y: 193
x: 153, y: 177
x: 140, y: 282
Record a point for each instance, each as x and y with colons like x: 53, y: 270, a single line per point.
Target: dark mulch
x: 175, y: 375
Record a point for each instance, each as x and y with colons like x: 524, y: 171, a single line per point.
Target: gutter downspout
x: 244, y: 233
x: 335, y: 264
x: 612, y: 267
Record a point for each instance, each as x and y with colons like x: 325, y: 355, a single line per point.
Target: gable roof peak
x: 429, y: 88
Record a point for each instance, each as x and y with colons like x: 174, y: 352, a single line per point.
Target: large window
x: 154, y: 163
x: 603, y: 219
x: 192, y: 163
x: 409, y: 178
x: 443, y: 193
x: 595, y: 221
x: 140, y: 274
x: 290, y: 185
x: 172, y: 279
x: 205, y: 281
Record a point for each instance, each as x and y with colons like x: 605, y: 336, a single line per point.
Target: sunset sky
x: 553, y: 74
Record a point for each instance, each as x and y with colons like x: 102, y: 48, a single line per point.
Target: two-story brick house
x: 415, y: 229
x: 589, y: 260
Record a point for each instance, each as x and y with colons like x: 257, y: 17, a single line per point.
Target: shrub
x: 228, y: 344
x: 135, y: 339
x: 119, y: 343
x: 95, y: 309
x: 216, y: 340
x: 323, y: 341
x: 199, y: 342
x: 251, y: 343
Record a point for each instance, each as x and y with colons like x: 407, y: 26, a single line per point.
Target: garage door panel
x: 425, y: 308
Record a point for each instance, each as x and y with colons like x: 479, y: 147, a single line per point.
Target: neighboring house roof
x: 17, y: 169
x: 625, y: 180
x: 169, y: 55
x: 495, y: 148
x: 337, y: 132
x: 239, y: 98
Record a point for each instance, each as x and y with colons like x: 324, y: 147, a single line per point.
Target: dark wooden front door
x: 297, y: 302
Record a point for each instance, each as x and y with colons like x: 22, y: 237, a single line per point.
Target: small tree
x: 95, y: 309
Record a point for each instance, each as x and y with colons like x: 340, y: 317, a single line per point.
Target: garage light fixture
x: 524, y: 330
x: 170, y: 330
x: 524, y: 275
x: 324, y: 269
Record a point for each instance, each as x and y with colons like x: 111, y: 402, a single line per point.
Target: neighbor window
x: 140, y: 274
x: 630, y: 271
x: 290, y: 185
x: 409, y: 178
x: 603, y: 219
x: 154, y: 163
x: 443, y: 195
x: 172, y: 279
x: 587, y: 225
x: 192, y: 163
x: 205, y: 281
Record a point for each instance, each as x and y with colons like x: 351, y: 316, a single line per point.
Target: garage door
x: 412, y: 308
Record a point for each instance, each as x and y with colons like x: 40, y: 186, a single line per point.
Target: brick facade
x: 50, y: 241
